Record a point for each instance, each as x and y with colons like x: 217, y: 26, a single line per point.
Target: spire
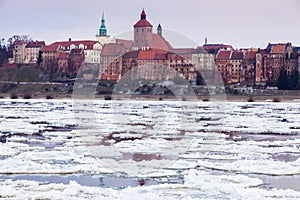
x: 159, y: 30
x: 102, y: 30
x: 143, y: 14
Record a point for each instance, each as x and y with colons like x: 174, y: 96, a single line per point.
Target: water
x: 169, y: 149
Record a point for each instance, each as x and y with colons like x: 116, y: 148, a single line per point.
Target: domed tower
x: 102, y: 29
x: 159, y: 30
x: 142, y: 32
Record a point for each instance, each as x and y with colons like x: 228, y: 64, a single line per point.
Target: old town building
x: 32, y: 51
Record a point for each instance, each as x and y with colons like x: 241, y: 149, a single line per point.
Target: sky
x: 241, y: 23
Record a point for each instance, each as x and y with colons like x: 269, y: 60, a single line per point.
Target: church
x: 149, y: 51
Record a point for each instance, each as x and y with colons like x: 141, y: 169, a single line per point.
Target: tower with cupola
x: 102, y: 34
x: 142, y: 32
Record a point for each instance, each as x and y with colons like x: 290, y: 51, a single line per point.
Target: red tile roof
x: 113, y: 49
x: 50, y: 48
x: 88, y: 43
x: 63, y: 55
x: 250, y: 55
x: 159, y: 43
x: 237, y: 55
x: 147, y: 55
x: 143, y: 23
x: 223, y: 55
x: 35, y: 44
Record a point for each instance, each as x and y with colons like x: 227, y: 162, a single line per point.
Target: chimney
x: 70, y: 39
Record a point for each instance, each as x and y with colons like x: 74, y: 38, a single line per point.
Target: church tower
x: 102, y: 36
x: 142, y: 32
x: 159, y: 30
x: 102, y: 29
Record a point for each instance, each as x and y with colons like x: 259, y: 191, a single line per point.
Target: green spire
x: 102, y: 30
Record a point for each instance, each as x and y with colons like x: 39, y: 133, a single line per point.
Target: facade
x: 92, y: 49
x: 32, y: 51
x: 18, y: 51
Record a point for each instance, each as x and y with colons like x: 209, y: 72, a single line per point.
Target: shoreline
x: 225, y: 98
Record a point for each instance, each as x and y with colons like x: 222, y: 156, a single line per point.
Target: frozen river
x: 64, y: 149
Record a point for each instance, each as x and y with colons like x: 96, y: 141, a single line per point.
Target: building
x: 32, y: 51
x: 17, y: 50
x: 92, y: 49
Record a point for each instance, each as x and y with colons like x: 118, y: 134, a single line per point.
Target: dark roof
x: 35, y: 44
x: 296, y: 49
x: 131, y: 54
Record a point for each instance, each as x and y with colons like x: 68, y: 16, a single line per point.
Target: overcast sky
x: 241, y: 23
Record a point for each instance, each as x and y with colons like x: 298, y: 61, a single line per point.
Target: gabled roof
x: 63, y: 55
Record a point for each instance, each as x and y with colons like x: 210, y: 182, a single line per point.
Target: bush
x: 49, y: 97
x: 27, y: 96
x: 276, y: 100
x: 160, y: 99
x: 205, y: 99
x: 13, y: 96
x: 106, y: 97
x: 250, y: 99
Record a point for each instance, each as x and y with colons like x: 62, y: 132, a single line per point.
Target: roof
x: 217, y: 46
x: 35, y: 44
x: 88, y: 43
x: 296, y: 49
x: 223, y: 55
x: 76, y: 51
x: 143, y: 22
x: 159, y: 43
x: 277, y: 48
x: 18, y: 42
x: 127, y: 43
x: 147, y: 55
x: 112, y: 49
x: 185, y: 50
x: 63, y: 55
x: 250, y: 55
x: 131, y: 54
x: 237, y: 55
x: 50, y: 48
